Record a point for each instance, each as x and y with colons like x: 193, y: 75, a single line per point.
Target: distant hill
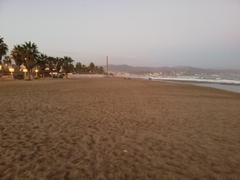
x: 191, y: 70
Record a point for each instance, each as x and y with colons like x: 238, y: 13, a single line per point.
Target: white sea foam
x: 224, y: 84
x: 192, y: 79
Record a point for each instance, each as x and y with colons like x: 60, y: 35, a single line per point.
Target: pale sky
x: 199, y: 33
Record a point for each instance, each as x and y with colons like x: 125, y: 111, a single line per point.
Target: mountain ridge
x: 147, y: 69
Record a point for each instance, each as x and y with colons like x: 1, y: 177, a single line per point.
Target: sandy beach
x: 112, y: 128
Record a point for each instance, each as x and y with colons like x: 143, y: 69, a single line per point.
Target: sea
x: 227, y: 85
x: 223, y: 84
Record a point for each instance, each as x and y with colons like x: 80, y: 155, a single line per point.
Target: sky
x: 199, y: 33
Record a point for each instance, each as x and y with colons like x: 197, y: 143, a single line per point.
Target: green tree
x: 91, y: 67
x: 67, y: 65
x: 42, y: 62
x: 7, y: 60
x: 50, y: 63
x: 99, y: 69
x: 78, y: 67
x: 84, y: 68
x: 3, y: 49
x: 59, y: 64
x: 17, y: 54
x: 30, y: 54
x: 56, y: 64
x: 27, y: 55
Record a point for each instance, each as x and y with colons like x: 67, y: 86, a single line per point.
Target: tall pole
x: 1, y: 70
x: 12, y: 75
x: 107, y: 64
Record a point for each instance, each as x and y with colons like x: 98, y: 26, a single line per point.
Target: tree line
x: 27, y: 56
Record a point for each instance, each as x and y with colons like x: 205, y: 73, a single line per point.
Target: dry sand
x: 117, y: 129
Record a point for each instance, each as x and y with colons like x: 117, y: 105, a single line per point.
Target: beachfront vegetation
x: 26, y: 54
x: 81, y: 68
x: 27, y: 58
x: 7, y: 60
x: 3, y: 48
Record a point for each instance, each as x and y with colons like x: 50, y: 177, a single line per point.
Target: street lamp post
x: 11, y: 71
x: 25, y: 72
x: 36, y: 71
x: 0, y: 70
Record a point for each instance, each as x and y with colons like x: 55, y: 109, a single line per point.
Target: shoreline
x: 219, y: 86
x: 225, y: 85
x: 230, y: 87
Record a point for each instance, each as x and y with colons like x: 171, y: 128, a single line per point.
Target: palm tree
x: 91, y: 67
x: 30, y: 54
x: 84, y: 68
x: 78, y: 67
x: 59, y: 64
x: 17, y: 54
x: 50, y: 63
x: 7, y: 60
x: 54, y: 64
x: 26, y: 54
x: 99, y: 70
x: 3, y: 49
x: 42, y: 62
x: 67, y: 65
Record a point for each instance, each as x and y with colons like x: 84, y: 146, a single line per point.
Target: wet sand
x: 117, y: 129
